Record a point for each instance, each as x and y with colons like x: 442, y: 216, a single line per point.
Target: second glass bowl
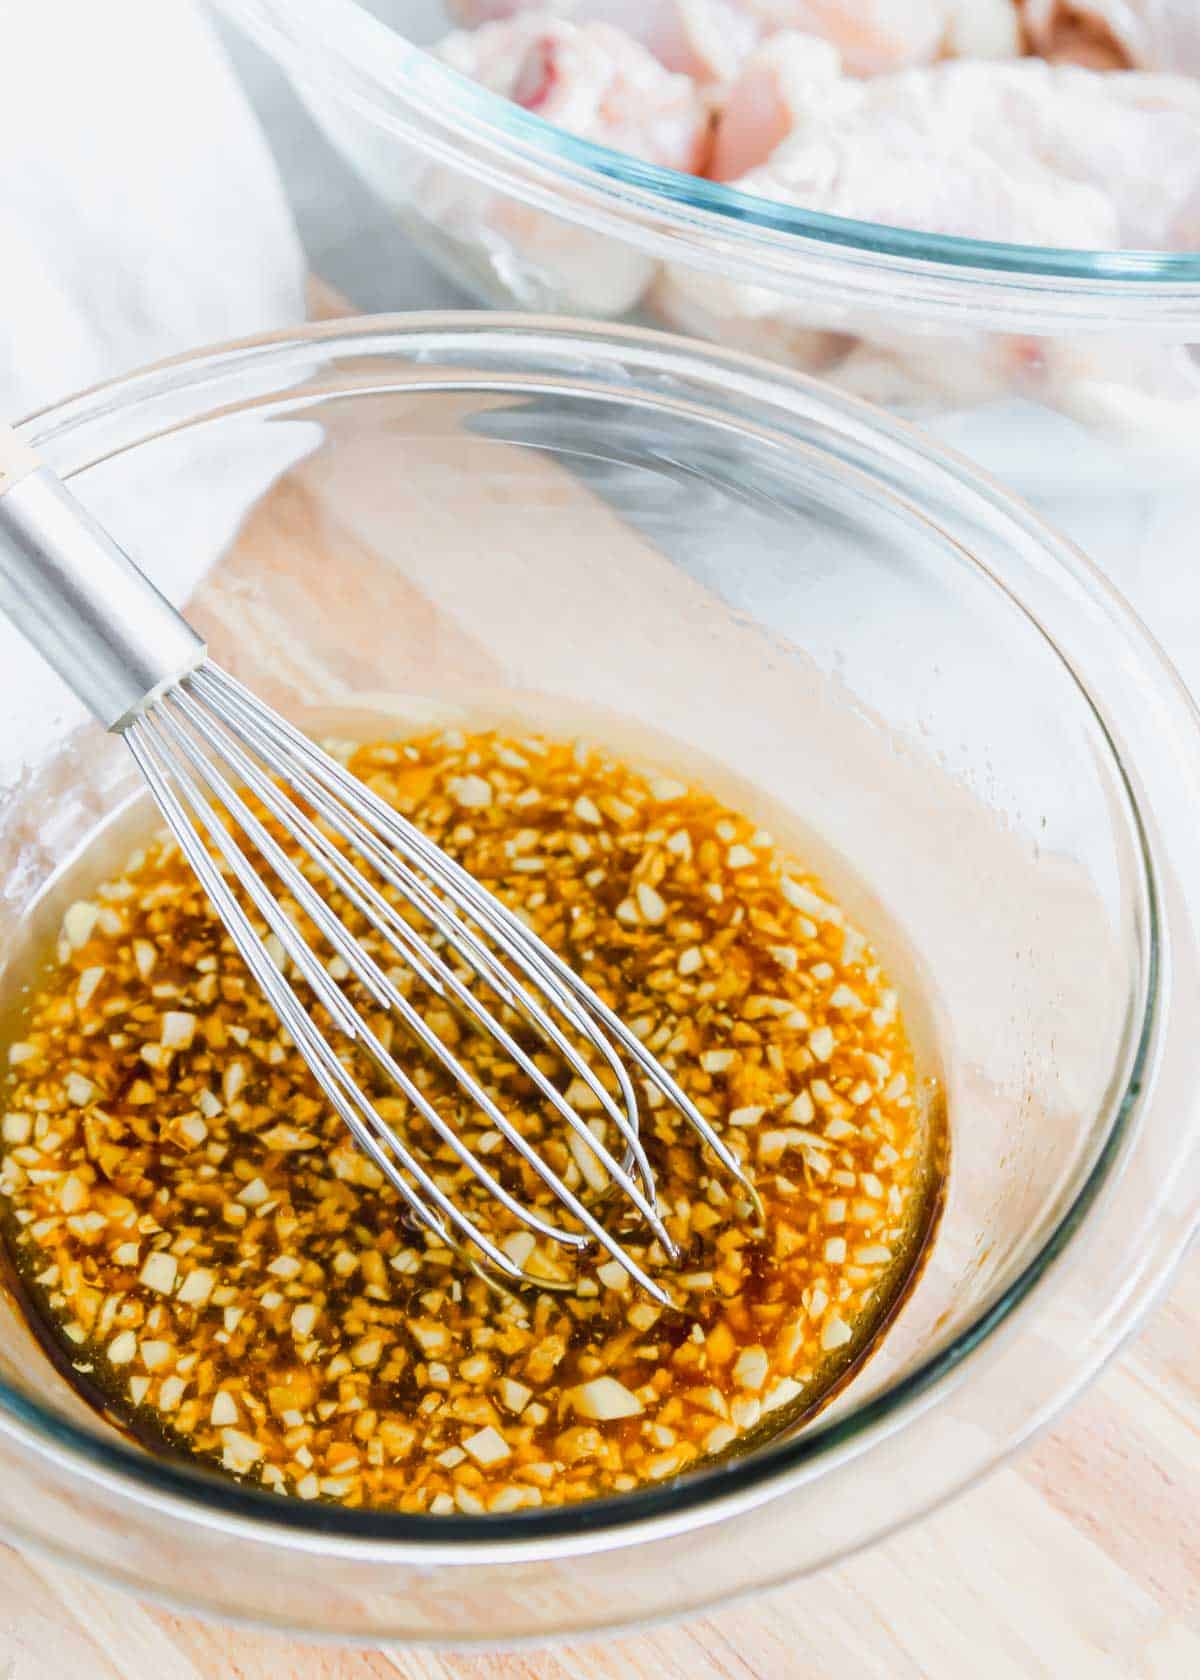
x: 525, y: 215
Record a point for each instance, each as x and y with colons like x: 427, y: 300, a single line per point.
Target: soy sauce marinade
x: 198, y: 1234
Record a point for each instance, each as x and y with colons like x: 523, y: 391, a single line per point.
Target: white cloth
x: 141, y: 214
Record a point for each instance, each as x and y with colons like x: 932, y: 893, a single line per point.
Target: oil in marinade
x: 193, y: 1225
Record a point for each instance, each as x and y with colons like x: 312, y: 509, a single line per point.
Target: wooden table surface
x: 1080, y: 1559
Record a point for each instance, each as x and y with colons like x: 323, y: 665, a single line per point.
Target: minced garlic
x: 198, y: 1227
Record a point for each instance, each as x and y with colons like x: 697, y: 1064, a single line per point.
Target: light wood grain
x: 1080, y: 1559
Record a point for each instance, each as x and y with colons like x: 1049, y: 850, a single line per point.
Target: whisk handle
x: 80, y: 599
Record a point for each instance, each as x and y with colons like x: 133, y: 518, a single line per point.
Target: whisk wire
x: 351, y: 1103
x: 556, y: 974
x: 199, y: 737
x: 301, y: 765
x: 367, y: 899
x: 335, y: 1001
x: 324, y: 1065
x: 172, y: 758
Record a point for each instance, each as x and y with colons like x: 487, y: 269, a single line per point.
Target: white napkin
x: 140, y: 210
x: 141, y: 216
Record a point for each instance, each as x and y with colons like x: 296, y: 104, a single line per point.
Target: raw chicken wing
x: 709, y: 39
x: 589, y: 79
x: 1117, y: 34
x: 592, y: 81
x: 705, y: 39
x: 879, y: 35
x: 1026, y: 152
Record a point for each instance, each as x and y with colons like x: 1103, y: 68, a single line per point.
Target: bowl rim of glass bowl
x: 342, y: 49
x: 277, y: 370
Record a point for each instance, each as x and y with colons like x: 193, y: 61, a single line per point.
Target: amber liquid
x: 129, y: 829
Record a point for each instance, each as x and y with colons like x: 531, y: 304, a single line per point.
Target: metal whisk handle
x: 80, y: 599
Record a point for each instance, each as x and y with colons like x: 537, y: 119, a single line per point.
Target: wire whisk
x: 254, y: 805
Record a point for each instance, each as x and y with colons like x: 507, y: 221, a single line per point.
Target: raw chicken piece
x: 871, y: 35
x: 779, y: 83
x: 983, y: 29
x: 592, y: 81
x: 1066, y: 34
x: 709, y: 39
x: 1146, y: 392
x: 705, y: 39
x: 1116, y: 34
x: 874, y: 36
x: 893, y: 363
x: 761, y: 106
x: 1027, y: 153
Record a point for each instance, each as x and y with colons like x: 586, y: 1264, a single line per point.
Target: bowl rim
x: 340, y: 47
x: 706, y: 1495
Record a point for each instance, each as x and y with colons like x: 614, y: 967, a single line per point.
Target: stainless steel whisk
x: 203, y: 741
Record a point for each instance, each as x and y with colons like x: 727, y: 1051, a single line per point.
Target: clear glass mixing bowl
x: 523, y: 214
x: 543, y: 516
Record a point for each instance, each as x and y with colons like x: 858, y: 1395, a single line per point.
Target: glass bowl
x: 616, y: 530
x: 522, y: 214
